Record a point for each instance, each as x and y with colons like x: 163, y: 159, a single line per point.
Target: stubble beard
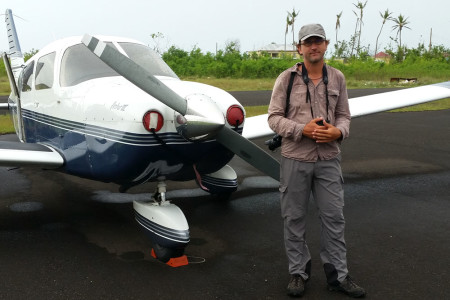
x: 316, y: 59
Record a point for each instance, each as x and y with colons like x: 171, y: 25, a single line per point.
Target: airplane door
x: 14, y: 100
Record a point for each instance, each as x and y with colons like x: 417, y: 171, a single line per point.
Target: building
x: 277, y: 50
x: 382, y: 56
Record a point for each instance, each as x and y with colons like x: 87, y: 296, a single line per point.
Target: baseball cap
x: 311, y: 30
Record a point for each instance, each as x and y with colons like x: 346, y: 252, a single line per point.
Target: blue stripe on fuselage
x: 111, y: 155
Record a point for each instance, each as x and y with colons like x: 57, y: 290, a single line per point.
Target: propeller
x: 141, y: 78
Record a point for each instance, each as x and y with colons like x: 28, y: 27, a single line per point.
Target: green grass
x: 6, y: 125
x: 434, y: 105
x: 4, y: 86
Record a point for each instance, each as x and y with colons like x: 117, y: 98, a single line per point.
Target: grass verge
x: 6, y: 125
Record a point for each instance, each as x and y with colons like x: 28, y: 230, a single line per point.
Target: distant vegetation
x: 231, y: 70
x: 427, y: 66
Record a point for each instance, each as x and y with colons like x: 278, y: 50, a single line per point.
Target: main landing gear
x: 164, y: 223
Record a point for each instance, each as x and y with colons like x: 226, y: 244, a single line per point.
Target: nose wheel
x: 164, y: 223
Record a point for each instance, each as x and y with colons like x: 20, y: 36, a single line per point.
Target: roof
x: 382, y: 55
x: 276, y: 47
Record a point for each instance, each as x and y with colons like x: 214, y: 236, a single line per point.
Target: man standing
x: 312, y: 124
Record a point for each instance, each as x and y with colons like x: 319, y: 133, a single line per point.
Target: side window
x: 26, y: 77
x: 45, y: 72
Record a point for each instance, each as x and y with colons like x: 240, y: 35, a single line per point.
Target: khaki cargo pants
x: 324, y: 179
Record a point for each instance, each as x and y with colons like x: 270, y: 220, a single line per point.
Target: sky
x: 211, y: 24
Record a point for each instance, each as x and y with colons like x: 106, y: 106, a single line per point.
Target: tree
x: 28, y: 55
x: 288, y: 23
x: 232, y: 46
x: 293, y: 15
x: 400, y: 23
x: 361, y: 7
x: 338, y: 25
x: 157, y: 37
x: 386, y: 16
x: 353, y: 38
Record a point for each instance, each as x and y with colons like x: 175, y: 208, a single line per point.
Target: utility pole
x: 431, y: 33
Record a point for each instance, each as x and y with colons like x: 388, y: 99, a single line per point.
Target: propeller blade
x: 135, y: 74
x: 249, y: 152
x: 151, y: 85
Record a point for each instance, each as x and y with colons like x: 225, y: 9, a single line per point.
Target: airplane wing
x: 18, y: 154
x: 257, y: 126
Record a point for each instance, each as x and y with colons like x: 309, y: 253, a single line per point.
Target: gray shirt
x: 290, y: 127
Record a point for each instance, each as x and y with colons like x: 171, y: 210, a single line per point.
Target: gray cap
x: 311, y: 30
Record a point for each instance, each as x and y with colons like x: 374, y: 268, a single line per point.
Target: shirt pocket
x: 298, y: 96
x: 333, y: 96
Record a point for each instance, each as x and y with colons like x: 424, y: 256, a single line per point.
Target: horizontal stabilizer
x: 16, y: 154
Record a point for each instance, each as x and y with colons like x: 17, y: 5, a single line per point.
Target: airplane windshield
x: 148, y: 59
x: 79, y: 64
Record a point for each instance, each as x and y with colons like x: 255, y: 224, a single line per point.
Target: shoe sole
x: 337, y: 289
x: 295, y: 294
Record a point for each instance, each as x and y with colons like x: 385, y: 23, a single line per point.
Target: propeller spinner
x: 193, y: 122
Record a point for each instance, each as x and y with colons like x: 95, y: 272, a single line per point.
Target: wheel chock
x: 174, y: 262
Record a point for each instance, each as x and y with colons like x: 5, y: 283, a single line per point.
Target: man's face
x: 313, y: 49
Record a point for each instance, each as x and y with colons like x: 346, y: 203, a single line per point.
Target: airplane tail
x: 15, y: 53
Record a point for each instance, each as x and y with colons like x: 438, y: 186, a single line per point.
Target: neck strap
x: 308, y: 95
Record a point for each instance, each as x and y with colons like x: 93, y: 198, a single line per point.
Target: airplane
x: 110, y: 109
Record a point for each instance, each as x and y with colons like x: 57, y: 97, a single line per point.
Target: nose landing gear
x: 164, y: 223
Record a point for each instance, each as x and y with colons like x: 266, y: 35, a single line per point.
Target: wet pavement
x: 63, y: 237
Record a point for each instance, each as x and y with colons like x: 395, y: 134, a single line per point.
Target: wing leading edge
x: 18, y: 154
x: 257, y: 126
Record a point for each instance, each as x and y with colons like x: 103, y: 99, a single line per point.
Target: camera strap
x: 288, y: 93
x: 308, y: 95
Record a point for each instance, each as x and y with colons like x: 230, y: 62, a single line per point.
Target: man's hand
x: 326, y: 133
x: 321, y: 134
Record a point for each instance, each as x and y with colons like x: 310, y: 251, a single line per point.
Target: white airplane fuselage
x: 96, y: 123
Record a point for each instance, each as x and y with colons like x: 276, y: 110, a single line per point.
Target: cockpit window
x: 25, y: 78
x: 44, y: 71
x: 80, y: 64
x: 148, y: 59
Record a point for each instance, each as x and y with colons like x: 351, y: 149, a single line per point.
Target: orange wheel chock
x: 174, y: 262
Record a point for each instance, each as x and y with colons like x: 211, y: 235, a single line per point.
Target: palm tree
x: 338, y: 25
x: 352, y: 39
x: 288, y: 23
x: 386, y: 16
x: 400, y: 23
x: 293, y: 15
x: 361, y: 7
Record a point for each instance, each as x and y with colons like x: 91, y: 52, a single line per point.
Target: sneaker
x: 349, y: 287
x: 296, y: 286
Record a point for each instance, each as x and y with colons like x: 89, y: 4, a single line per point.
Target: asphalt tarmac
x: 63, y: 237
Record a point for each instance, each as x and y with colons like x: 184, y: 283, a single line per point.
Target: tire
x: 164, y: 254
x: 225, y: 197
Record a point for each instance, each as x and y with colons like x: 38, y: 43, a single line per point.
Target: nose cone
x: 202, y: 120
